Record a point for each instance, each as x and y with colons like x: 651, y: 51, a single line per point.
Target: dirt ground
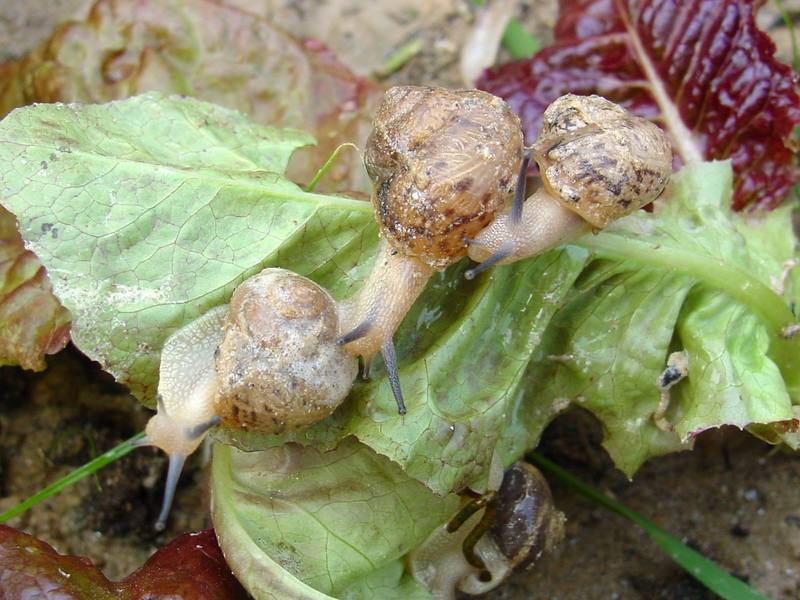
x: 733, y: 498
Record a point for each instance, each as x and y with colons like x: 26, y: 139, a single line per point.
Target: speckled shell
x: 526, y: 522
x: 442, y: 163
x: 278, y: 365
x: 599, y: 160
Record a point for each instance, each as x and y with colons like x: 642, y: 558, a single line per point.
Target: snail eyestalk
x: 519, y: 190
x: 176, y: 462
x: 390, y: 360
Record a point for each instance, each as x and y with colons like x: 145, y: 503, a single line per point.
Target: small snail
x: 598, y: 163
x: 491, y: 536
x: 442, y: 163
x: 269, y: 362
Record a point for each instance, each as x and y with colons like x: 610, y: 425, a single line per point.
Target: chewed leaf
x: 730, y: 367
x: 357, y: 506
x: 655, y: 290
x: 464, y: 349
x: 700, y: 68
x: 32, y: 321
x: 162, y: 206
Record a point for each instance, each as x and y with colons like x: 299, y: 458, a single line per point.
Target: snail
x: 268, y: 362
x: 508, y: 528
x: 442, y: 163
x: 598, y: 163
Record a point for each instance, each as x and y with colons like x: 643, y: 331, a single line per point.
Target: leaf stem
x: 83, y: 471
x: 733, y: 280
x: 516, y: 39
x: 711, y: 575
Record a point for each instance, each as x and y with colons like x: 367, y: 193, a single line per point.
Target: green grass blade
x: 711, y: 575
x: 83, y: 471
x: 518, y: 42
x: 326, y: 167
x: 399, y: 58
x: 792, y: 33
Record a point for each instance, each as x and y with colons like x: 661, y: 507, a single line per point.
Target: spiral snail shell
x: 515, y: 524
x: 597, y: 162
x: 269, y: 363
x: 442, y: 163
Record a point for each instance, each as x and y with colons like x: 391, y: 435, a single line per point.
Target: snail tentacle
x: 356, y: 333
x: 390, y: 360
x: 519, y: 190
x: 176, y: 462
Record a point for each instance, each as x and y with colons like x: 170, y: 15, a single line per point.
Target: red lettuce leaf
x: 700, y: 68
x: 191, y: 567
x: 32, y: 321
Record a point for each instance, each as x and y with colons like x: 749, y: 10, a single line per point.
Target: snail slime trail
x: 267, y: 363
x: 598, y: 163
x: 442, y: 163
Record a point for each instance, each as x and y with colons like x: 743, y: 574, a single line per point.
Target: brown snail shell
x: 442, y: 163
x: 526, y: 522
x: 599, y: 160
x: 278, y: 365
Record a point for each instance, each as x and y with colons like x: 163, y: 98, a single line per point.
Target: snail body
x: 598, y: 163
x: 442, y: 163
x: 268, y: 363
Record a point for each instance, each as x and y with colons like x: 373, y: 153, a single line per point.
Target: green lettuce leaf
x: 164, y: 204
x: 339, y: 522
x: 161, y: 207
x: 692, y: 277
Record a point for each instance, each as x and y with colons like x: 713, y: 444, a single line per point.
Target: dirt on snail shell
x: 443, y: 163
x: 279, y: 366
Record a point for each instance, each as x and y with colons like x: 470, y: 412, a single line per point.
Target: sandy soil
x: 734, y: 499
